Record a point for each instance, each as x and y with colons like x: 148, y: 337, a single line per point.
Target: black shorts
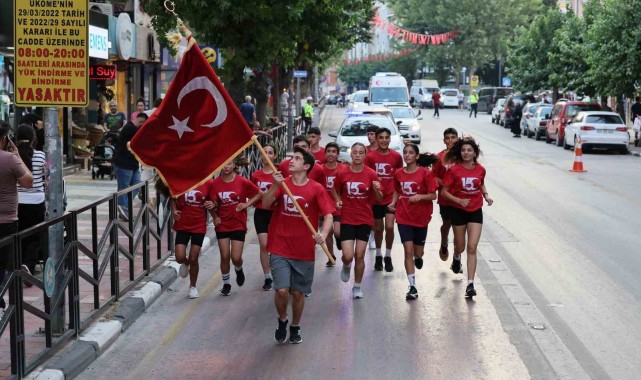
x: 416, y: 235
x: 446, y: 212
x: 461, y: 217
x: 355, y: 232
x: 183, y: 238
x: 231, y: 235
x: 262, y: 218
x: 379, y: 211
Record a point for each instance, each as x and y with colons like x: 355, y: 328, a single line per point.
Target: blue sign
x: 300, y: 74
x: 507, y: 82
x: 49, y: 277
x: 1, y: 59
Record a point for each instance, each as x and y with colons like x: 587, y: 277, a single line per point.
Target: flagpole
x: 291, y: 196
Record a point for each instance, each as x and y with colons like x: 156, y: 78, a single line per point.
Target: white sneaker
x: 184, y: 270
x: 372, y: 241
x: 357, y: 293
x: 193, y: 293
x: 345, y: 273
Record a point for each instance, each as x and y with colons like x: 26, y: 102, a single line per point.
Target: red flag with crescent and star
x: 196, y: 130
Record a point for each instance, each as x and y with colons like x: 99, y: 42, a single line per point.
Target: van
x: 489, y: 95
x: 422, y: 90
x: 388, y: 89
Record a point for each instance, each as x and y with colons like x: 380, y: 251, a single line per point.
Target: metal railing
x: 116, y: 245
x: 278, y: 139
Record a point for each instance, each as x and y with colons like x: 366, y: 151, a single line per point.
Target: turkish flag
x: 196, y: 130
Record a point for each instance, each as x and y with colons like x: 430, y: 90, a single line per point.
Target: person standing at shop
x: 125, y: 164
x: 140, y: 107
x: 114, y: 117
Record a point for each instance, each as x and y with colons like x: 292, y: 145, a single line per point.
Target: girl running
x: 331, y: 167
x: 353, y: 190
x: 450, y: 136
x: 232, y: 195
x: 414, y: 190
x: 464, y: 184
x: 262, y: 216
x: 190, y: 224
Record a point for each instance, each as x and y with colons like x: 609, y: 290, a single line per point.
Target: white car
x: 497, y: 110
x: 537, y: 123
x: 357, y: 100
x: 528, y: 111
x: 449, y: 97
x: 597, y: 130
x: 354, y: 129
x: 407, y: 120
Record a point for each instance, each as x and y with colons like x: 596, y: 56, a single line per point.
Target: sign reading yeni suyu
x: 51, y: 52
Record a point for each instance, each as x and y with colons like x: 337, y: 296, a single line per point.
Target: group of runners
x: 356, y: 204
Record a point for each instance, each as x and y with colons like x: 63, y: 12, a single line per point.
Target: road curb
x: 102, y: 334
x: 46, y: 374
x: 73, y: 359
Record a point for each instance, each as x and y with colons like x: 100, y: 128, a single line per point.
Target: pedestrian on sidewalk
x: 232, y: 194
x: 38, y: 125
x: 314, y: 137
x: 415, y: 189
x: 331, y: 168
x: 464, y: 184
x: 264, y: 179
x: 385, y: 162
x: 140, y: 107
x: 436, y: 102
x: 474, y: 100
x: 114, y: 118
x: 450, y: 136
x: 12, y: 171
x: 190, y: 223
x: 308, y: 113
x: 31, y: 201
x: 249, y: 112
x: 291, y: 244
x: 354, y: 190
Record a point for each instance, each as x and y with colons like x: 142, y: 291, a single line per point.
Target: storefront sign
x: 124, y: 36
x: 98, y: 42
x: 102, y: 72
x: 51, y: 52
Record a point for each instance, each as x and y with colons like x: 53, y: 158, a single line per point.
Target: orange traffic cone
x: 578, y: 158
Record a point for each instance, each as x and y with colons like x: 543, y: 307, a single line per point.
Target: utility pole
x: 55, y: 207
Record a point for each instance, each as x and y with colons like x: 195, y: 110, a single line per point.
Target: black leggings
x: 33, y: 246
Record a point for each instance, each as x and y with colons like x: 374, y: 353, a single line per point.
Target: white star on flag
x: 180, y: 126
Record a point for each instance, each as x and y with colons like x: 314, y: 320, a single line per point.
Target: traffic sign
x: 51, y: 53
x: 507, y: 82
x: 49, y: 277
x: 300, y: 74
x: 474, y: 80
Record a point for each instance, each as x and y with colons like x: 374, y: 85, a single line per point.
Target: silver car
x: 407, y: 121
x: 528, y: 111
x: 537, y: 123
x: 497, y: 110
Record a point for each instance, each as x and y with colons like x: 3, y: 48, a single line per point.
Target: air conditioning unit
x: 104, y: 8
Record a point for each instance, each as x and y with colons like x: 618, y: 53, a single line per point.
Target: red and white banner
x: 411, y: 37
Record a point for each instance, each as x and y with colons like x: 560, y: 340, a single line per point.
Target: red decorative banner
x: 411, y: 37
x: 380, y: 57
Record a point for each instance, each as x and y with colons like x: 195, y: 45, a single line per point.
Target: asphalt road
x: 558, y: 290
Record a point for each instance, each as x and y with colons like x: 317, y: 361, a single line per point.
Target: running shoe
x: 329, y: 263
x: 412, y: 294
x: 418, y: 262
x: 372, y: 241
x: 226, y: 290
x: 357, y: 293
x: 470, y: 291
x: 294, y: 335
x: 444, y: 253
x: 268, y: 284
x: 240, y: 277
x: 345, y: 272
x: 281, y: 330
x: 378, y: 264
x: 308, y: 294
x: 193, y: 292
x: 184, y: 270
x: 456, y: 266
x: 388, y: 264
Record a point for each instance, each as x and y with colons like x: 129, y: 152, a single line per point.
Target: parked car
x: 354, y: 129
x: 449, y: 97
x: 357, y: 100
x: 407, y: 121
x: 563, y: 111
x: 536, y: 124
x: 528, y: 111
x: 498, y: 110
x: 597, y: 130
x: 489, y: 95
x: 333, y: 99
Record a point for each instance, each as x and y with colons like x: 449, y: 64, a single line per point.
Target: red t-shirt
x: 436, y: 98
x: 317, y: 174
x: 228, y: 195
x: 420, y: 182
x: 288, y: 233
x: 264, y: 181
x: 385, y: 165
x: 439, y: 169
x: 319, y: 156
x: 356, y: 192
x: 330, y: 176
x: 466, y: 184
x: 193, y: 215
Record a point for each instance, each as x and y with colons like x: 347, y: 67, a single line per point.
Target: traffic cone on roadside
x: 578, y: 158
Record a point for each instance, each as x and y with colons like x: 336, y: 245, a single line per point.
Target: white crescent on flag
x: 203, y: 83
